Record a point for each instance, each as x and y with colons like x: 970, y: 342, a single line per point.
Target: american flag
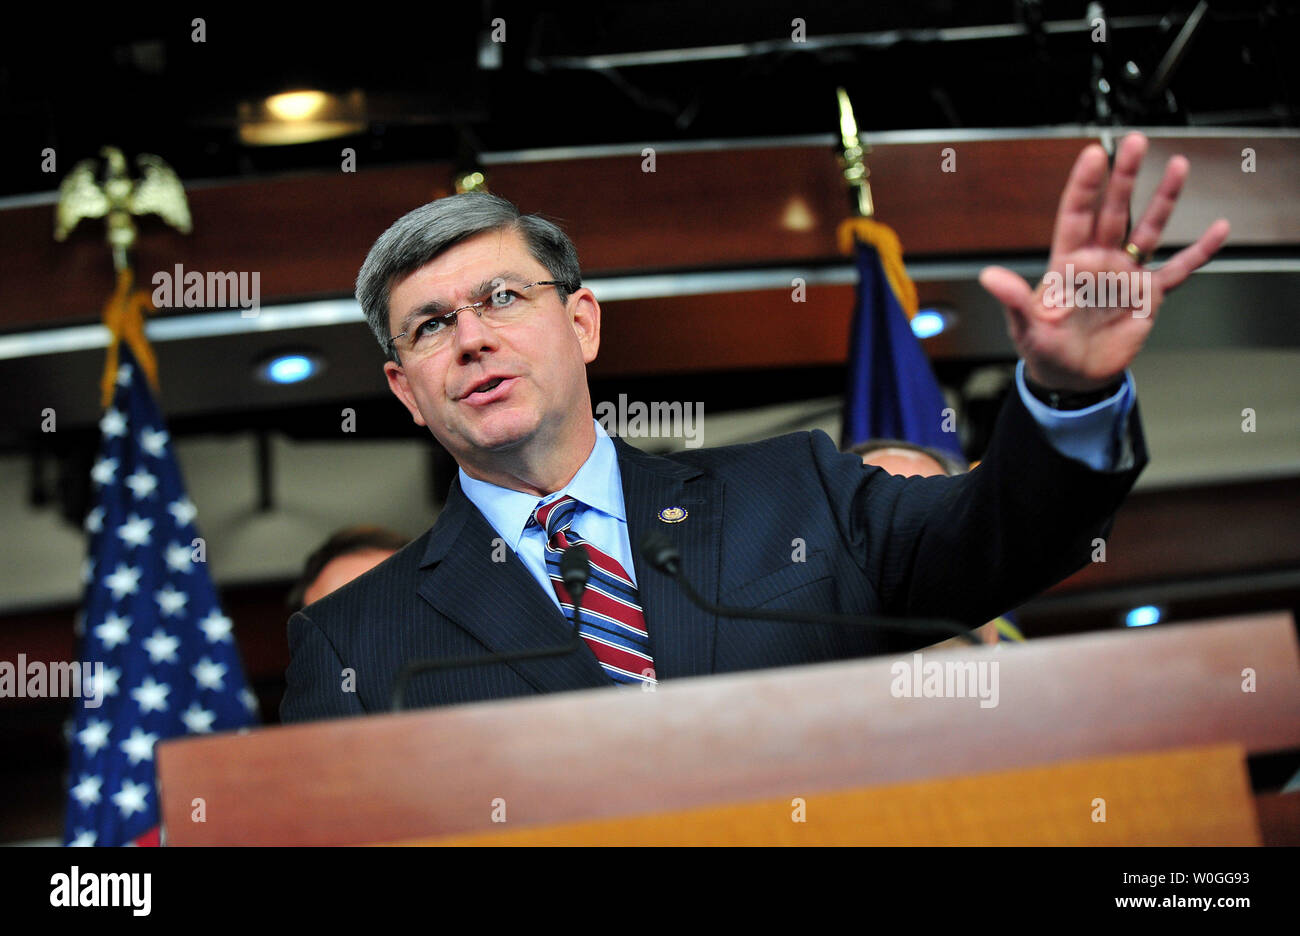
x: 150, y: 614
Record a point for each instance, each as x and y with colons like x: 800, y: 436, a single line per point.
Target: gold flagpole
x: 863, y: 227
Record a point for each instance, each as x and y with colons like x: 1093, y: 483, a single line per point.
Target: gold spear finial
x: 856, y: 172
x: 159, y: 191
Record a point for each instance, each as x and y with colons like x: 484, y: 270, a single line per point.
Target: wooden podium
x: 1133, y: 737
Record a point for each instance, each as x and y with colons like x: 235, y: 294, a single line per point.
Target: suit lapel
x: 500, y: 603
x: 681, y: 635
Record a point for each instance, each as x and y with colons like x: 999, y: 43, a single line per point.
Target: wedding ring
x: 1135, y: 252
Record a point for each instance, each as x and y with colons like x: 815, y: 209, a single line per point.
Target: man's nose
x: 473, y: 334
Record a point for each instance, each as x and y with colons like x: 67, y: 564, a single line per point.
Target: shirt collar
x: 597, y: 485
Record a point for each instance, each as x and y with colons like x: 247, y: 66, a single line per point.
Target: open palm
x: 1073, y: 341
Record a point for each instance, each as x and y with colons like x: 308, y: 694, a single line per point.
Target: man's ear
x: 585, y: 313
x: 401, y: 388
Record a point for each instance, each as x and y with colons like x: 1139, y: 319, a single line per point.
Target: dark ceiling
x: 440, y: 88
x: 728, y: 70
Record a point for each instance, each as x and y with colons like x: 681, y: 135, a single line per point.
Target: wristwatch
x: 1071, y: 400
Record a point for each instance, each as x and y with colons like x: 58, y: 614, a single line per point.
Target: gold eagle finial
x: 159, y: 191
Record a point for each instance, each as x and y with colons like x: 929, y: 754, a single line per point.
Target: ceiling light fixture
x: 301, y: 116
x: 929, y: 322
x: 289, y: 367
x: 1144, y: 616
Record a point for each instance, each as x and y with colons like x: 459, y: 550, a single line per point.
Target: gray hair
x: 421, y: 235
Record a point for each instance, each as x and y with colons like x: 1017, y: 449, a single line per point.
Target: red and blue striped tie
x: 612, y: 622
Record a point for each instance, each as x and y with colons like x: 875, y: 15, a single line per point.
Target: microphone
x: 575, y: 570
x: 664, y: 556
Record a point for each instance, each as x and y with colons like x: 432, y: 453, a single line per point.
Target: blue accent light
x: 290, y: 368
x: 927, y: 323
x: 1142, y: 617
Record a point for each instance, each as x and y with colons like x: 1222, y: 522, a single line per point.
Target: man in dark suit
x: 489, y: 332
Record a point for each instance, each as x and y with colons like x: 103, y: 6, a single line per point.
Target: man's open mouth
x: 489, y: 391
x: 490, y: 385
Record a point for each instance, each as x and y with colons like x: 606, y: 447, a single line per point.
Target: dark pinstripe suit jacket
x: 966, y: 548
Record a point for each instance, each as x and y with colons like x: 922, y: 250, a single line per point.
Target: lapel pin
x: 672, y: 514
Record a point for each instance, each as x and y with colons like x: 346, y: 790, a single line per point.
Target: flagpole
x: 862, y: 227
x: 853, y: 159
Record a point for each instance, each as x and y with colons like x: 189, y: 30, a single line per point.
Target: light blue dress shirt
x: 1092, y: 436
x: 600, y: 517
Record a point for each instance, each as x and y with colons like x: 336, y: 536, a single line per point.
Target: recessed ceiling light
x: 290, y: 367
x: 928, y: 322
x: 297, y: 105
x: 1144, y: 616
x: 301, y: 116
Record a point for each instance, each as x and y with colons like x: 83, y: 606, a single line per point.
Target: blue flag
x: 892, y: 391
x: 150, y: 616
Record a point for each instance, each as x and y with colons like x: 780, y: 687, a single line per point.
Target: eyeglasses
x: 505, y: 306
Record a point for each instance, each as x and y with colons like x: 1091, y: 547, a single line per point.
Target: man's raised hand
x: 1084, y: 345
